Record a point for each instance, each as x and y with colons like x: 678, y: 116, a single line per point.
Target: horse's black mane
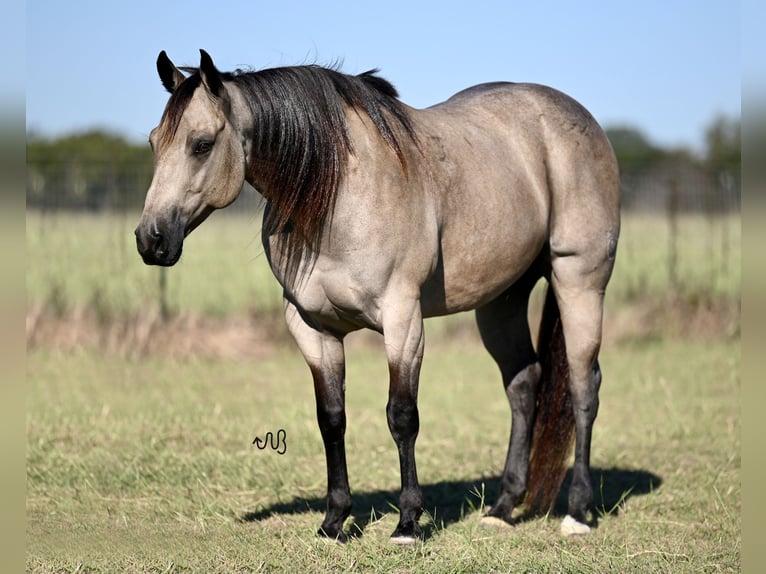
x: 300, y: 138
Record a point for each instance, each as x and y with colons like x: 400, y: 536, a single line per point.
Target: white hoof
x: 403, y: 540
x: 570, y: 527
x: 493, y: 522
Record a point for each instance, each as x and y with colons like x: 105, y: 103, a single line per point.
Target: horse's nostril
x: 158, y: 244
x: 151, y: 240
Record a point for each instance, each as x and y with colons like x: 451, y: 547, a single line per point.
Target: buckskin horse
x: 379, y: 215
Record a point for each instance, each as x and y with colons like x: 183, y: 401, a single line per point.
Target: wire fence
x: 678, y: 186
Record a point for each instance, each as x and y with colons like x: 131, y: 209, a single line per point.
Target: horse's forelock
x: 175, y: 108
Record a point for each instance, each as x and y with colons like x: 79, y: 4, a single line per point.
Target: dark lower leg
x: 403, y: 422
x: 505, y: 333
x: 331, y: 417
x: 513, y: 486
x: 338, y: 491
x: 585, y: 403
x: 580, y: 493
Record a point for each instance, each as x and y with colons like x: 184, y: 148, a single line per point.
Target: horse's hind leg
x: 505, y: 332
x: 579, y: 285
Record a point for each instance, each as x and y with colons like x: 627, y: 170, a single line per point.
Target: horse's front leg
x: 325, y: 356
x: 403, y: 334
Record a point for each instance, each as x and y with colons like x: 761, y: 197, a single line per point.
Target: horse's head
x: 199, y: 160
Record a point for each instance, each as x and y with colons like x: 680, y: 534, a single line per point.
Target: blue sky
x: 665, y: 66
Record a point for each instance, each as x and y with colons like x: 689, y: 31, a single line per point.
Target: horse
x: 379, y: 215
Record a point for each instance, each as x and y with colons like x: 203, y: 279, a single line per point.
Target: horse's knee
x: 403, y: 417
x: 339, y: 500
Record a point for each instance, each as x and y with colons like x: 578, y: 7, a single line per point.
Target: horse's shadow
x: 448, y: 502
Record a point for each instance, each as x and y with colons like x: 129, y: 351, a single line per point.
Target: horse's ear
x: 170, y: 75
x: 211, y: 77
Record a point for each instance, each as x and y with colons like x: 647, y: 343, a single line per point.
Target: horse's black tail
x: 553, y: 430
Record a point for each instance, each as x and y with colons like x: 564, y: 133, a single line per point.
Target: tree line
x: 97, y: 170
x: 94, y: 170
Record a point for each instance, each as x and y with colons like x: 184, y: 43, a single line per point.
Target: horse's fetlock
x: 339, y: 502
x: 412, y: 500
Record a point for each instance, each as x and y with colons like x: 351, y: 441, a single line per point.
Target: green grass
x: 147, y: 465
x: 702, y: 256
x: 91, y: 261
x: 78, y: 261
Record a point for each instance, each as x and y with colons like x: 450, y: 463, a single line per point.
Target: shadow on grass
x: 449, y: 501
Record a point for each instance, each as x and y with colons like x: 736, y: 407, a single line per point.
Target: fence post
x: 672, y: 211
x: 163, y: 285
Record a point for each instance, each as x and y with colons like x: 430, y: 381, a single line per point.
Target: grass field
x: 144, y: 462
x: 148, y: 466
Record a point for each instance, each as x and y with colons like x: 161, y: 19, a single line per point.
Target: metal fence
x: 681, y: 187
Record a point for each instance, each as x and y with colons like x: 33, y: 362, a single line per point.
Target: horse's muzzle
x: 159, y: 245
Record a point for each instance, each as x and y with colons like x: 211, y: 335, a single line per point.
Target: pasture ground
x: 142, y: 406
x: 148, y: 465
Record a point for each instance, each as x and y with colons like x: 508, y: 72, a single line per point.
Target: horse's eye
x: 203, y: 147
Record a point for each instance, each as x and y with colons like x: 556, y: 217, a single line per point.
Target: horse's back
x: 539, y: 116
x: 546, y: 125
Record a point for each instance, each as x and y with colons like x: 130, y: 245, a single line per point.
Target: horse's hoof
x: 402, y: 540
x: 493, y: 522
x: 406, y: 535
x: 571, y: 527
